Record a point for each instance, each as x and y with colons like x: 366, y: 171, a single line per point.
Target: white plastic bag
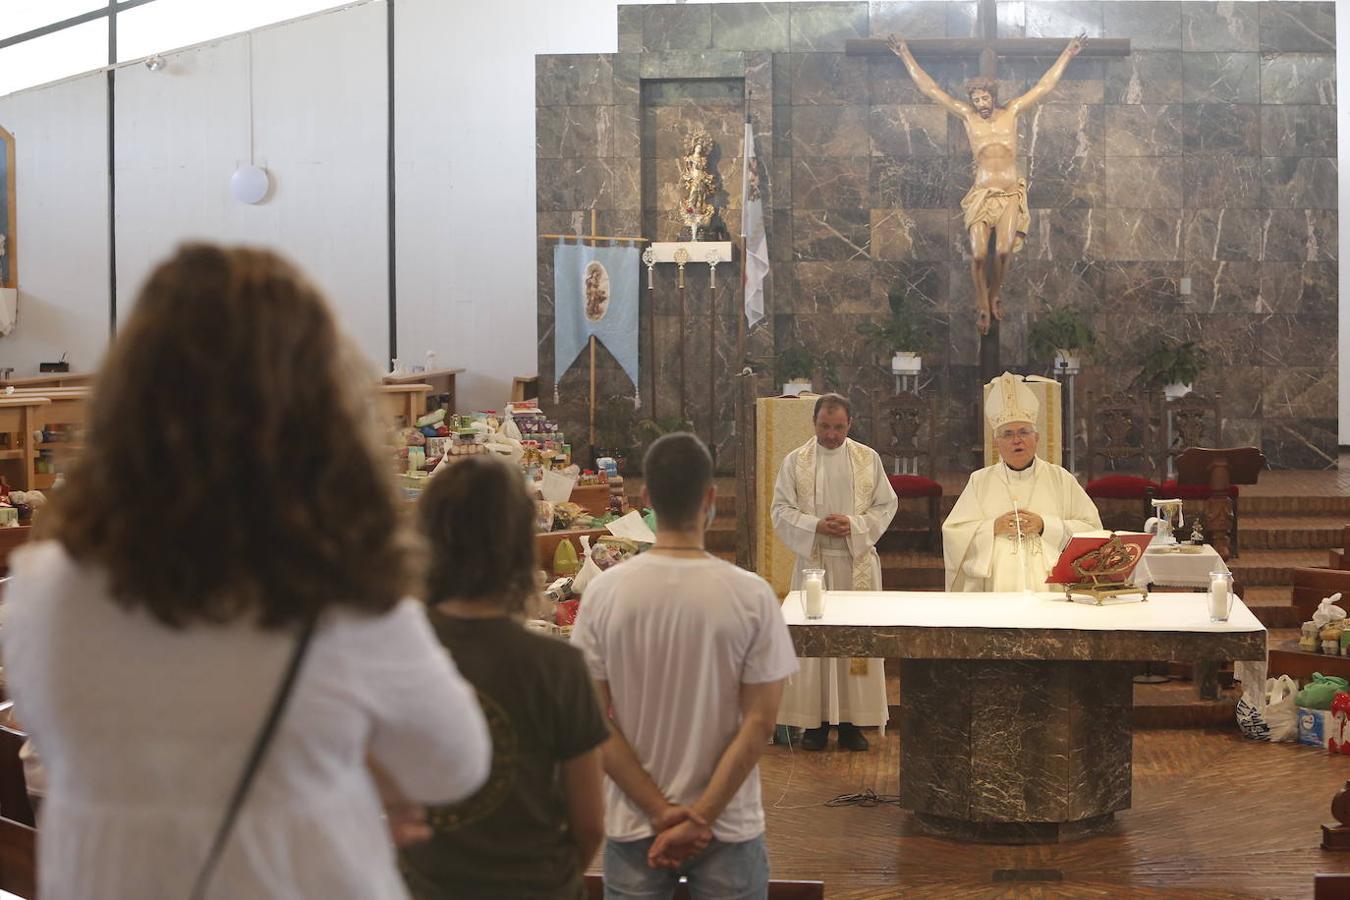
x: 1326, y: 612
x: 1251, y: 706
x: 1280, y: 712
x: 588, y: 567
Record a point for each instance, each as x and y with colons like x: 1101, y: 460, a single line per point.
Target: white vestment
x: 977, y: 561
x: 814, y: 483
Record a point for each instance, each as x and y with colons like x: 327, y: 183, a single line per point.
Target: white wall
x: 319, y: 101
x: 465, y: 177
x: 61, y: 186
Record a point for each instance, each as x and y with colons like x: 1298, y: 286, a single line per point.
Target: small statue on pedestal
x: 698, y: 186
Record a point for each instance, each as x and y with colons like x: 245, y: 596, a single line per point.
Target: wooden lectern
x: 1219, y: 469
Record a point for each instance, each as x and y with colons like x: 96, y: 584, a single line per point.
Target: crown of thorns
x: 988, y: 85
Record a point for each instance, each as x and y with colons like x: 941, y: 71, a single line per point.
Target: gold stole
x: 864, y: 486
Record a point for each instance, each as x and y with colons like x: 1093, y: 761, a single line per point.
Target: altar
x: 1015, y: 713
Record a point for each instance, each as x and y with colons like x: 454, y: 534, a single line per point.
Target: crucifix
x: 996, y: 212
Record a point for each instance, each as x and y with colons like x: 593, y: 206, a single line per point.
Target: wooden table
x: 442, y: 381
x: 69, y: 407
x: 1016, y: 709
x: 19, y: 416
x: 407, y: 401
x: 51, y: 380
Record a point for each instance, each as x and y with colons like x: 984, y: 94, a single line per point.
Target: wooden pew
x: 18, y: 858
x: 778, y: 890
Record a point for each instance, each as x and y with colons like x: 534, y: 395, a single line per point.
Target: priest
x: 1014, y: 517
x: 831, y: 503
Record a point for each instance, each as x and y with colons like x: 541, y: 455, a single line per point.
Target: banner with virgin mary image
x: 595, y: 291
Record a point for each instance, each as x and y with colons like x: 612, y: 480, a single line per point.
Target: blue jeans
x: 721, y: 872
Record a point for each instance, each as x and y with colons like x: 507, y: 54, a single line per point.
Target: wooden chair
x: 18, y: 858
x: 14, y: 802
x: 778, y: 890
x: 1196, y: 421
x: 1118, y: 447
x: 904, y: 427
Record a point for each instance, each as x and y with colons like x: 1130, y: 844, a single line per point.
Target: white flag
x: 752, y: 233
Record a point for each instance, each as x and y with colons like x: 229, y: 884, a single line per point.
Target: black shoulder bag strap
x: 255, y: 759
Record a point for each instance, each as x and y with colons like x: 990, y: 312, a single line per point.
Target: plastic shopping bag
x: 1251, y: 706
x: 1281, y: 712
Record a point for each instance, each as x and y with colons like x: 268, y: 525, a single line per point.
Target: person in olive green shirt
x: 533, y: 828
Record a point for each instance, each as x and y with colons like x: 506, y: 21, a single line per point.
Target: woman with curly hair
x: 212, y: 648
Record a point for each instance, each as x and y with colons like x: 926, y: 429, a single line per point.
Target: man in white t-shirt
x: 689, y: 654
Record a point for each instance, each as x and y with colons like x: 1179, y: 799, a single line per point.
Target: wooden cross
x: 987, y: 49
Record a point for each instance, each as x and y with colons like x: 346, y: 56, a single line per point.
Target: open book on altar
x: 1100, y: 558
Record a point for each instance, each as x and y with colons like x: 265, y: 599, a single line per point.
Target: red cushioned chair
x: 898, y: 423
x: 1117, y: 438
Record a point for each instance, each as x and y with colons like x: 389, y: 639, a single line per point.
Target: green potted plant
x: 614, y: 431
x: 1173, y: 364
x: 900, y: 335
x: 794, y: 368
x: 1062, y: 335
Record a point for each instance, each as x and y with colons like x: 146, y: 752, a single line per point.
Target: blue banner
x: 595, y: 292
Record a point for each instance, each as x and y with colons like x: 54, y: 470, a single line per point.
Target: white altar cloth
x: 1172, y: 611
x: 1173, y: 569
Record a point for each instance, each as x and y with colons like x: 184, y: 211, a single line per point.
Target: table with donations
x: 1016, y: 709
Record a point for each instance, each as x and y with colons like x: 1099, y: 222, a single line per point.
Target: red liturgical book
x: 1099, y: 559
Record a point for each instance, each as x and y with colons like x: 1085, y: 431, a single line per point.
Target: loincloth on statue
x: 987, y: 205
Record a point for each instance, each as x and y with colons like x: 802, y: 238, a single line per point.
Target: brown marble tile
x: 921, y: 183
x: 630, y: 29
x: 1217, y: 128
x: 672, y: 27
x: 1048, y: 18
x: 1298, y: 26
x: 834, y: 287
x: 562, y: 132
x: 828, y: 78
x: 830, y: 235
x: 574, y: 79
x: 1298, y: 234
x: 1066, y: 235
x: 910, y: 234
x: 1298, y: 130
x: 1057, y: 181
x: 924, y: 286
x: 1300, y: 288
x: 1299, y: 443
x: 1299, y: 78
x: 1299, y: 393
x: 750, y: 26
x: 1299, y: 183
x: 1289, y: 340
x: 830, y: 131
x: 1083, y: 81
x: 1221, y: 181
x: 1151, y: 286
x: 1140, y: 234
x: 1146, y: 76
x: 1224, y: 287
x: 1143, y: 182
x: 905, y: 17
x: 822, y: 27
x: 1143, y: 130
x: 820, y: 182
x: 1219, y: 26
x: 1150, y: 25
x: 1220, y: 77
x: 1223, y: 234
x: 908, y: 131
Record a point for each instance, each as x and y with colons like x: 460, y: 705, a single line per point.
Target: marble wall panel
x: 1221, y: 78
x: 1298, y: 130
x: 910, y: 234
x: 1061, y: 129
x: 750, y: 26
x: 1298, y: 26
x: 1048, y: 18
x: 1219, y: 26
x: 1057, y: 181
x: 1298, y: 234
x: 908, y: 131
x: 630, y: 29
x: 1299, y: 183
x: 1223, y: 287
x: 1233, y: 129
x: 1143, y: 130
x: 1300, y: 288
x: 1299, y: 393
x: 1299, y: 78
x: 1223, y: 234
x: 574, y: 80
x: 828, y: 78
x: 1148, y: 76
x: 1150, y: 288
x: 821, y: 27
x: 924, y: 285
x: 1065, y: 235
x: 831, y: 131
x: 920, y: 183
x: 1299, y: 443
x: 910, y: 18
x: 821, y: 182
x: 1150, y: 24
x: 1140, y: 234
x: 834, y: 288
x: 1143, y: 182
x: 1083, y: 81
x: 677, y: 27
x: 834, y: 234
x: 1217, y: 182
x: 1293, y: 340
x: 571, y: 131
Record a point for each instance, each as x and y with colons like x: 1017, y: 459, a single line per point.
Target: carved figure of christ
x: 996, y: 213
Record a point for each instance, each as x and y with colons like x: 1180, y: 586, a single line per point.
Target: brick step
x: 1174, y: 704
x: 1290, y: 532
x: 1272, y: 568
x: 1273, y: 606
x: 1283, y: 504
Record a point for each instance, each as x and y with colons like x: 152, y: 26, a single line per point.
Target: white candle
x: 1218, y: 599
x: 815, y: 598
